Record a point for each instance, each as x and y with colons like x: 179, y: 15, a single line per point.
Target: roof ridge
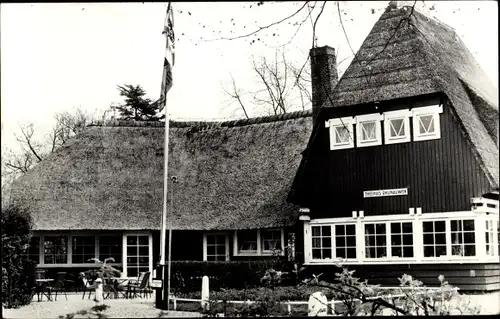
x: 206, y: 124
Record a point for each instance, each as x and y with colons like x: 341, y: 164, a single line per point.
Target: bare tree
x: 284, y: 87
x: 33, y: 150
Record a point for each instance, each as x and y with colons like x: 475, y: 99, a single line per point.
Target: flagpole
x: 165, y: 188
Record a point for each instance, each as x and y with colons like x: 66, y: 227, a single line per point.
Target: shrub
x: 17, y: 273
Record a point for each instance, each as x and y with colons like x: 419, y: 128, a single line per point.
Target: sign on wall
x: 386, y: 192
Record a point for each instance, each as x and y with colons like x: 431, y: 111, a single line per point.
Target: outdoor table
x: 41, y: 283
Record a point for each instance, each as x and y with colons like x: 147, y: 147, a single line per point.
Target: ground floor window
x: 345, y: 241
x: 463, y: 238
x: 137, y: 254
x: 434, y: 234
x: 257, y: 242
x: 55, y: 249
x: 216, y: 247
x: 132, y: 252
x: 375, y: 240
x: 321, y: 242
x: 110, y: 246
x: 402, y: 239
x: 83, y: 249
x: 433, y: 237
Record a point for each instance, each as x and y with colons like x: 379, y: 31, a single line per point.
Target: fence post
x: 175, y: 302
x: 205, y: 293
x: 289, y: 307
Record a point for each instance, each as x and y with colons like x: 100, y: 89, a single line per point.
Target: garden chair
x: 135, y: 289
x: 59, y: 285
x: 87, y: 286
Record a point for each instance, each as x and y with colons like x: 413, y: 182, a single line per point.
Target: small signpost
x: 156, y: 283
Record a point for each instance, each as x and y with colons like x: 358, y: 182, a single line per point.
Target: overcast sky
x: 56, y: 56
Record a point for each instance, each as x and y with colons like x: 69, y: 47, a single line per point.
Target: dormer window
x: 341, y: 133
x: 426, y: 124
x: 397, y: 126
x: 368, y: 131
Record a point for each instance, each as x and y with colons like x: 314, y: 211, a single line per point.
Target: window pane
x: 407, y: 251
x: 327, y: 242
x: 381, y: 252
x: 351, y: 252
x: 395, y: 228
x: 408, y: 240
x: 369, y: 229
x: 428, y: 227
x: 426, y: 124
x: 131, y: 250
x: 316, y: 253
x: 326, y: 230
x: 341, y: 134
x: 396, y: 127
x: 440, y: 226
x: 440, y: 251
x: 132, y: 240
x: 210, y: 250
x: 339, y: 230
x: 110, y: 246
x: 316, y: 242
x: 470, y: 250
x: 340, y: 252
x: 351, y: 241
x: 143, y: 240
x: 221, y: 250
x: 469, y: 238
x: 469, y: 225
x: 368, y: 131
x: 350, y: 230
x: 397, y: 252
x: 440, y: 238
x: 327, y: 253
x: 316, y: 231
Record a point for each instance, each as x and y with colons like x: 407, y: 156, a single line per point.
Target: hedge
x: 187, y: 275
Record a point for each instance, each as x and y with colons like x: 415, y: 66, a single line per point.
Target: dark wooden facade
x: 441, y: 175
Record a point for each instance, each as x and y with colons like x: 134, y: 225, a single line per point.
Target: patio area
x: 119, y: 308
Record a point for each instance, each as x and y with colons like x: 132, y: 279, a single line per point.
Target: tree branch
x: 261, y: 28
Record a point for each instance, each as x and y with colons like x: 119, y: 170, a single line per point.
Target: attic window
x: 426, y: 124
x: 397, y: 126
x: 368, y: 130
x: 341, y: 133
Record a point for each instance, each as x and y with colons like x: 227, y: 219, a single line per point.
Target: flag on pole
x: 169, y: 59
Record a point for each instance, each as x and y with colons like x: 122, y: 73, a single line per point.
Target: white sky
x: 56, y: 56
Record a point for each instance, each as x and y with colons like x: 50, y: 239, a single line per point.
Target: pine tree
x: 136, y: 107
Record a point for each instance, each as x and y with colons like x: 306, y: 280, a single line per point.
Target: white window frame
x: 417, y: 222
x: 396, y: 115
x: 418, y: 112
x: 205, y: 243
x: 259, y: 251
x: 124, y: 250
x: 360, y: 119
x: 341, y: 122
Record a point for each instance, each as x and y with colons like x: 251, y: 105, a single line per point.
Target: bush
x: 17, y: 273
x: 187, y: 275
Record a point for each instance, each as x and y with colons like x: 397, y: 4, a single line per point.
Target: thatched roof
x: 408, y: 54
x: 232, y: 175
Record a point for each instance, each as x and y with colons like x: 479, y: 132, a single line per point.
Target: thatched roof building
x: 408, y: 54
x: 231, y: 175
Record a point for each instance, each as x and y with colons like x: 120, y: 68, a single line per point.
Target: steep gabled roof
x: 408, y: 54
x: 232, y: 175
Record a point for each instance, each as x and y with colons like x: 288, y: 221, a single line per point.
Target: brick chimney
x: 324, y: 76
